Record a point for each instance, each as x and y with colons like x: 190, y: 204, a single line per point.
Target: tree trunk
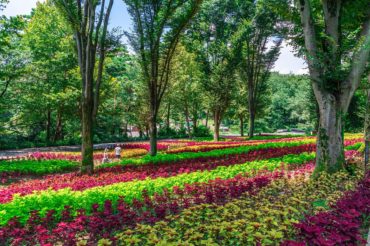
x: 241, y: 126
x: 217, y: 120
x: 168, y: 117
x: 251, y: 108
x: 87, y: 165
x: 207, y: 113
x: 153, y: 135
x: 251, y: 123
x: 330, y: 150
x: 187, y: 118
x: 48, y: 126
x: 58, y: 129
x: 367, y: 127
x: 195, y: 124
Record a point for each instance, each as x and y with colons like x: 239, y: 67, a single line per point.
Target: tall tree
x: 211, y: 38
x: 158, y: 25
x: 337, y: 46
x: 260, y: 50
x: 186, y: 93
x: 89, y: 21
x: 50, y: 69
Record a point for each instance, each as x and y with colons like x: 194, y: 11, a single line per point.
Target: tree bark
x: 330, y: 150
x: 252, y: 115
x: 195, y: 124
x: 58, y: 128
x: 217, y: 121
x: 87, y: 164
x: 168, y: 117
x: 367, y: 127
x: 241, y: 126
x: 187, y: 119
x: 153, y: 135
x: 207, y: 113
x: 251, y: 108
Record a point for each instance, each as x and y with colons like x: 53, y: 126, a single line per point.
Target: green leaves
x: 37, y: 167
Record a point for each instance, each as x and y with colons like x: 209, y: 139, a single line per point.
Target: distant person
x: 117, y: 151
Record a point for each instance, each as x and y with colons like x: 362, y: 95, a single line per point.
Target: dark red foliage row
x: 117, y: 174
x: 341, y: 225
x: 111, y: 217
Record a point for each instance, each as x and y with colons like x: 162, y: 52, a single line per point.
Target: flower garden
x: 232, y: 192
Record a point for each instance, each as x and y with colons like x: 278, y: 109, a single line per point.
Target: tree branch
x: 358, y: 65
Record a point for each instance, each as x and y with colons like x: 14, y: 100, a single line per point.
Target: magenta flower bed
x: 341, y: 225
x: 145, y: 146
x: 118, y: 174
x: 105, y: 220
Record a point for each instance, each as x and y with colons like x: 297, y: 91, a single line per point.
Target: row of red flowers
x: 107, y: 176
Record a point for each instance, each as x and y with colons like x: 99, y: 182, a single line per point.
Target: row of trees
x: 193, y: 60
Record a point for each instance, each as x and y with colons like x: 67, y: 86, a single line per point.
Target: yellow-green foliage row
x: 266, y: 217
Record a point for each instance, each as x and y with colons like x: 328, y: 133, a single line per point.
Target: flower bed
x: 108, y: 218
x: 265, y: 218
x: 107, y: 176
x: 46, y: 200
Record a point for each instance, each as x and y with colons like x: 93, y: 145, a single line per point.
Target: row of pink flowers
x: 105, y: 220
x: 107, y: 176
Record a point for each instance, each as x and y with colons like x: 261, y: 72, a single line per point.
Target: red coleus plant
x: 341, y: 225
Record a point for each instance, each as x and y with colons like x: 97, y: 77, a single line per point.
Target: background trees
x: 260, y: 39
x: 158, y: 26
x: 211, y: 36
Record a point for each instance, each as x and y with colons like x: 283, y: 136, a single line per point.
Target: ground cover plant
x: 265, y: 218
x: 72, y: 208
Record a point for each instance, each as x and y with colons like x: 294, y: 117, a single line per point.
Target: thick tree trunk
x: 217, y: 121
x: 87, y: 165
x: 153, y: 135
x: 330, y: 150
x: 241, y: 126
x: 251, y: 108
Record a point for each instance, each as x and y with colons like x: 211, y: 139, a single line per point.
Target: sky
x: 287, y: 62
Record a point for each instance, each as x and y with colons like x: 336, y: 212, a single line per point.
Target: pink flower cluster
x: 118, y: 174
x: 58, y: 156
x: 341, y: 225
x: 145, y: 146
